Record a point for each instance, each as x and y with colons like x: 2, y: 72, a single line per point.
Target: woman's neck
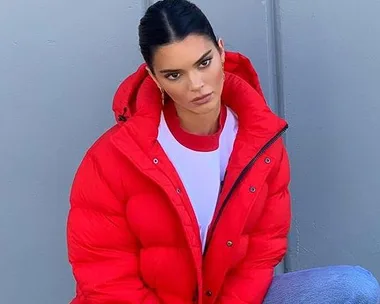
x: 199, y: 124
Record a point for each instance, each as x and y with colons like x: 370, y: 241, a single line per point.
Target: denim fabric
x: 326, y: 285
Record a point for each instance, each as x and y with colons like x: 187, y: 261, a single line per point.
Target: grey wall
x: 331, y: 63
x: 60, y: 63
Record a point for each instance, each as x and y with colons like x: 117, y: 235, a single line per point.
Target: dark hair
x: 168, y: 21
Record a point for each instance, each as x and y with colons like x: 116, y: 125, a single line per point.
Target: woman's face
x: 191, y: 73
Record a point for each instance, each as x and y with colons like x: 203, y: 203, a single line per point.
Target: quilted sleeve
x: 249, y: 282
x: 102, y: 250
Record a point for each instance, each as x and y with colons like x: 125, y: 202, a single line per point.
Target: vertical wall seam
x: 269, y: 16
x: 278, y: 67
x: 275, y: 55
x: 279, y: 77
x: 275, y: 69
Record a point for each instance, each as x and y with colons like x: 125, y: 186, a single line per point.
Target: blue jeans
x: 326, y: 285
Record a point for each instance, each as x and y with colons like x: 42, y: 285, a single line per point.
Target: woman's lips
x: 202, y: 99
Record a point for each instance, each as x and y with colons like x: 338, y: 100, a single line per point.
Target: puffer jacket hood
x: 138, y: 101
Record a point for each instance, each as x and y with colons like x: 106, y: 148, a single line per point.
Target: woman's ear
x: 222, y: 50
x: 153, y: 77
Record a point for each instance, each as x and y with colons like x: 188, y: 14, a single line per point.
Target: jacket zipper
x: 233, y: 188
x: 238, y: 181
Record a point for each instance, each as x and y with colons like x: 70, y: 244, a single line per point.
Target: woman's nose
x: 196, y: 81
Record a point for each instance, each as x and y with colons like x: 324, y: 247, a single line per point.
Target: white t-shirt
x: 201, y: 172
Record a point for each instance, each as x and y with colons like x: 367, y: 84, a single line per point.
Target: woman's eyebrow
x: 196, y: 63
x: 203, y: 57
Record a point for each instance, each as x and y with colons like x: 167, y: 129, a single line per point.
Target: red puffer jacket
x: 132, y: 233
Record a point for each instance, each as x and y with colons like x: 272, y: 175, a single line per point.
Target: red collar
x: 200, y: 143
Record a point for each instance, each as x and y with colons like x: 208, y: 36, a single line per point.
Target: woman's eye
x: 205, y: 63
x: 172, y: 76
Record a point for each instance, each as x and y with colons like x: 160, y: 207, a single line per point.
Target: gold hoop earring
x: 162, y: 96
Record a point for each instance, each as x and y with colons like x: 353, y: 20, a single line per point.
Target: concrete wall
x: 331, y: 62
x: 60, y: 63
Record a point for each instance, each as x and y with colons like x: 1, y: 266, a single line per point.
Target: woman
x: 186, y: 199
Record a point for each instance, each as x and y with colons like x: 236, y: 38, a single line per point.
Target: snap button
x: 252, y: 189
x: 178, y: 190
x: 209, y: 293
x: 267, y: 160
x: 155, y: 161
x: 229, y: 243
